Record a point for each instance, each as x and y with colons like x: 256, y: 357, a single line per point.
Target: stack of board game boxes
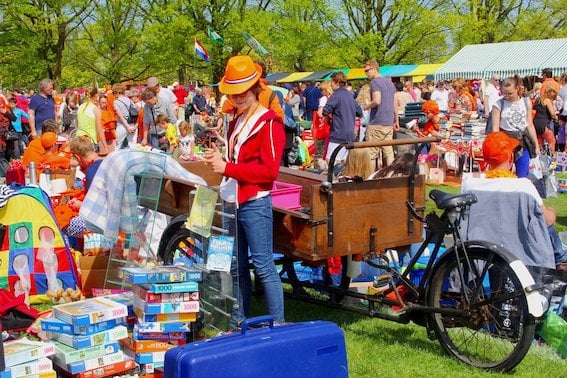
x: 26, y: 358
x: 166, y: 303
x: 86, y: 335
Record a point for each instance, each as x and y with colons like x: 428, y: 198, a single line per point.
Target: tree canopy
x: 80, y: 42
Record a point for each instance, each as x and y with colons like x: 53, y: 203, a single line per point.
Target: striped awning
x: 296, y: 76
x: 343, y: 70
x: 397, y: 70
x: 526, y: 58
x: 319, y: 75
x: 418, y: 71
x: 356, y: 74
x: 273, y: 77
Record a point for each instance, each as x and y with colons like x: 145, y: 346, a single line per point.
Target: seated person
x: 357, y: 166
x: 431, y: 110
x: 84, y: 152
x: 531, y: 246
x: 44, y: 150
x: 89, y: 161
x: 401, y: 166
x: 36, y: 148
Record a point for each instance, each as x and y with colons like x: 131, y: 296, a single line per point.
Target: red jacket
x: 259, y: 156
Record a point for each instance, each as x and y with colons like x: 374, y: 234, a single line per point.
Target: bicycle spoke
x: 494, y: 331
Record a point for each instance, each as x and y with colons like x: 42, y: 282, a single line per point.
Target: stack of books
x: 473, y: 127
x: 86, y: 335
x: 166, y: 303
x: 25, y: 358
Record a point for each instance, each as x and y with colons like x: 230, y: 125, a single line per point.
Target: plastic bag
x: 554, y: 332
x: 320, y: 127
x: 535, y: 171
x: 550, y: 186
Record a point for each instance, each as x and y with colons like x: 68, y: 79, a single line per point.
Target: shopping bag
x: 554, y: 332
x: 320, y: 127
x: 535, y: 170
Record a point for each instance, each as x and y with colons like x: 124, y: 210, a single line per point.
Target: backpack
x: 132, y: 112
x: 289, y: 121
x: 16, y: 315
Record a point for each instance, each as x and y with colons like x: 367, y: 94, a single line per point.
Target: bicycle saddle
x: 446, y: 201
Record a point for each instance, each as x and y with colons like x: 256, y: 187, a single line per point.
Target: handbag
x: 320, y: 128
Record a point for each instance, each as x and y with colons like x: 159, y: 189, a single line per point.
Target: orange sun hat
x: 498, y: 147
x: 240, y: 75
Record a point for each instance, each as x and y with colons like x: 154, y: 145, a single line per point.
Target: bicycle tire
x: 495, y: 329
x: 181, y: 244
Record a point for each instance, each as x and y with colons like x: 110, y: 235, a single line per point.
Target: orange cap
x: 498, y: 147
x: 240, y: 75
x: 48, y: 139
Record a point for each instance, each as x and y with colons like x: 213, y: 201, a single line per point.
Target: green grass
x: 380, y: 348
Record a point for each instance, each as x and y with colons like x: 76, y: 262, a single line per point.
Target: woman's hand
x: 214, y: 157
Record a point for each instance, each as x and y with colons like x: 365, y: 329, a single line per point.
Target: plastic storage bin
x: 286, y: 195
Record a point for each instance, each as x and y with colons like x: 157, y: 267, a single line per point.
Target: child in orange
x: 431, y: 110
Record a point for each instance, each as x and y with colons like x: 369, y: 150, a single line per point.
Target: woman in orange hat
x: 255, y: 142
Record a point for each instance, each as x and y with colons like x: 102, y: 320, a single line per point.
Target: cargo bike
x: 476, y: 298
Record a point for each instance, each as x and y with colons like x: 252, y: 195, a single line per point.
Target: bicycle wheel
x: 491, y: 328
x: 183, y: 247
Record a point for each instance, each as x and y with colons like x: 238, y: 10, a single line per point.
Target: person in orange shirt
x: 108, y: 124
x: 548, y: 82
x: 35, y: 149
x: 267, y: 97
x: 431, y: 110
x: 44, y: 153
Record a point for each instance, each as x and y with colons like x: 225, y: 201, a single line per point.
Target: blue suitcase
x: 302, y: 350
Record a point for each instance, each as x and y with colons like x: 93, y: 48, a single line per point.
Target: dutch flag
x: 201, y: 52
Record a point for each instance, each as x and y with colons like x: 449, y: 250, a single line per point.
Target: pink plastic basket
x: 286, y: 195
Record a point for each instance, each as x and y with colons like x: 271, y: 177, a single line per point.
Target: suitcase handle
x: 255, y: 321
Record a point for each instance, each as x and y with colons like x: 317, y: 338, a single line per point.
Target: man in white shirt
x: 441, y: 96
x: 491, y: 96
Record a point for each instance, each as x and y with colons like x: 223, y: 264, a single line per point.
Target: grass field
x: 380, y: 348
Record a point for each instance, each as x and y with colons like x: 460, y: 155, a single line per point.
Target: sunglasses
x: 368, y: 69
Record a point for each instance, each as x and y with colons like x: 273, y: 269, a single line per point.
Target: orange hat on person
x: 240, y: 74
x: 498, y: 147
x: 430, y: 106
x: 48, y: 139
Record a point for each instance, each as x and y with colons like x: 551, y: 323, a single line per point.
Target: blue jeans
x: 255, y: 232
x: 154, y: 140
x: 559, y: 249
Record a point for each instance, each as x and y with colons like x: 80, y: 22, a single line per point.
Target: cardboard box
x: 93, y: 271
x: 68, y: 175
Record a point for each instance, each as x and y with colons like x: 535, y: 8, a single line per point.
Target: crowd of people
x: 245, y: 136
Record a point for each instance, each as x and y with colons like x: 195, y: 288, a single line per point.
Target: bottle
x: 47, y: 173
x: 32, y: 174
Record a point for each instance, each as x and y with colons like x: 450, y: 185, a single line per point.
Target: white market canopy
x: 526, y: 58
